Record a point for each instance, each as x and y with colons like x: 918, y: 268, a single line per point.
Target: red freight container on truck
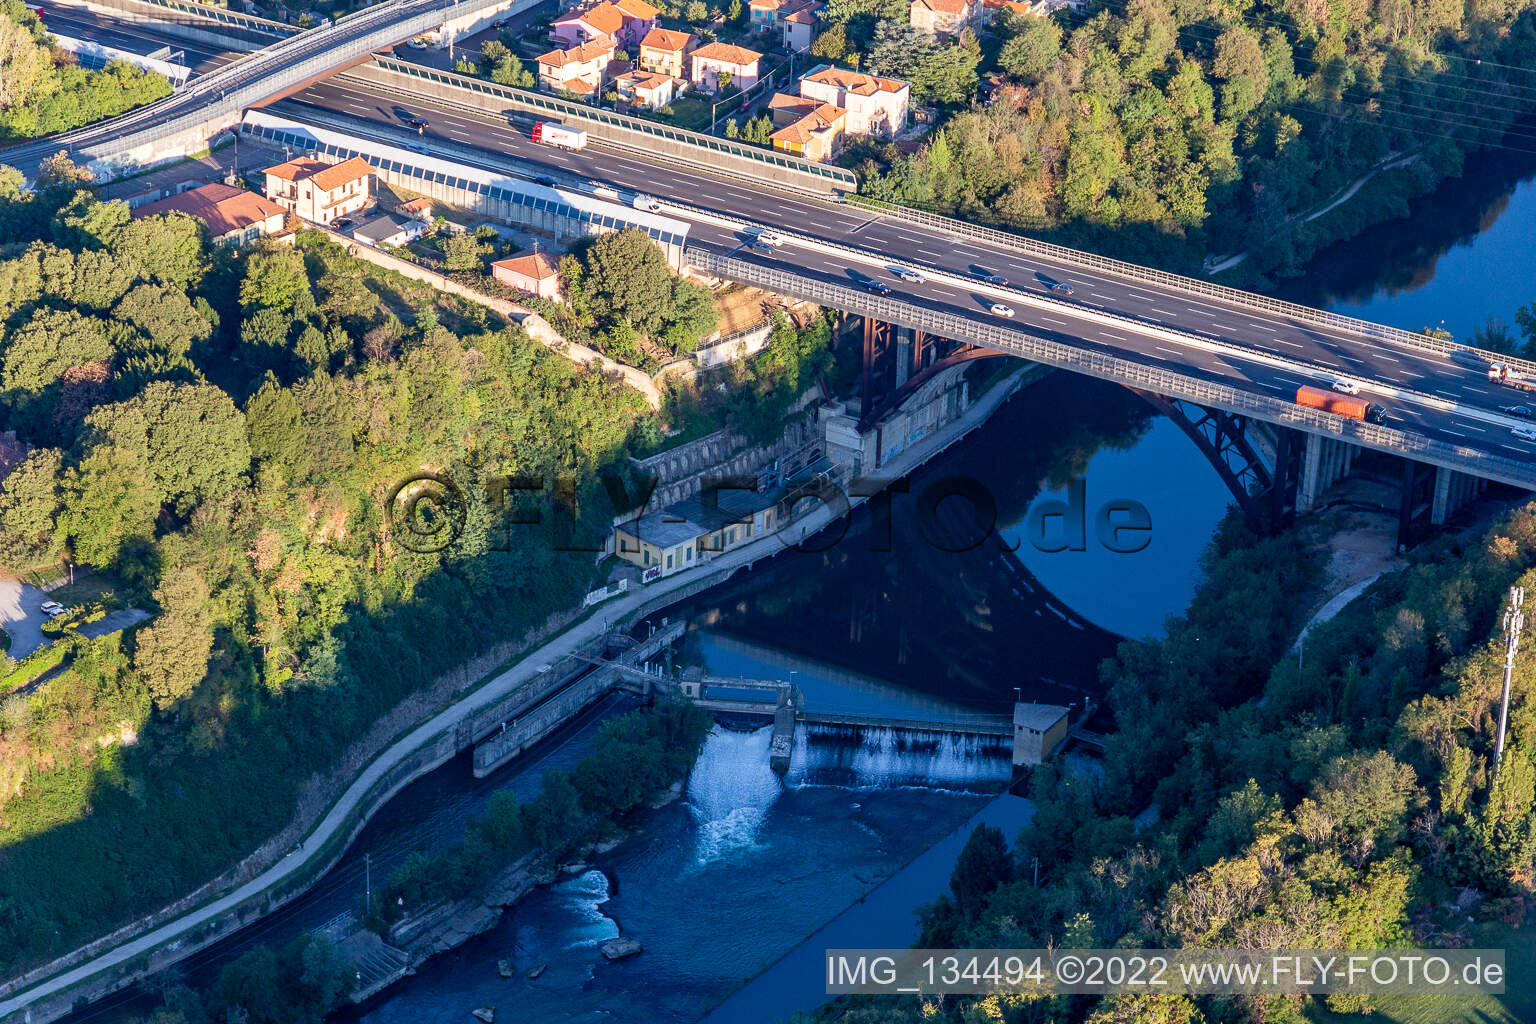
x: 552, y: 134
x: 1503, y: 373
x: 1347, y: 406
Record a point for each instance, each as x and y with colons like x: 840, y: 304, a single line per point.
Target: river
x: 728, y: 883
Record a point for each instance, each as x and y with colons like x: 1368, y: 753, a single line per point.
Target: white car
x: 52, y: 607
x: 908, y: 275
x: 417, y: 43
x: 1524, y: 433
x: 1347, y: 387
x: 998, y: 309
x: 770, y: 238
x: 647, y: 203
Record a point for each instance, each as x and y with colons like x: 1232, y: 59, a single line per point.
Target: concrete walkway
x: 531, y: 663
x: 21, y: 616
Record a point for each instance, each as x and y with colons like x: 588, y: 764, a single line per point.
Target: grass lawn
x: 87, y: 588
x: 691, y: 112
x: 1516, y: 1006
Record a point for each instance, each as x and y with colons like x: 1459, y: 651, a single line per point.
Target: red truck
x: 1347, y: 406
x: 553, y: 134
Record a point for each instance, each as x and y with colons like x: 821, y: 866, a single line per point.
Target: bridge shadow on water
x: 924, y: 592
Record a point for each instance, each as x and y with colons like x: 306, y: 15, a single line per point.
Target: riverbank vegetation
x: 1253, y: 800
x: 637, y: 756
x: 43, y: 88
x: 1164, y: 133
x: 223, y: 434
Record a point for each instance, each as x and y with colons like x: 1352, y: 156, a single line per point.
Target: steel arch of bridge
x: 1222, y: 438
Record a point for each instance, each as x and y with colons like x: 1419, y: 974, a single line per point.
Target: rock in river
x: 618, y: 949
x: 534, y: 972
x: 486, y: 1014
x: 505, y: 968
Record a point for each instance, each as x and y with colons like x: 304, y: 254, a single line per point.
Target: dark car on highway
x: 1522, y: 411
x: 877, y: 287
x: 415, y: 121
x: 544, y: 179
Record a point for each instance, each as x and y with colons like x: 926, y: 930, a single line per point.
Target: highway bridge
x: 1226, y: 363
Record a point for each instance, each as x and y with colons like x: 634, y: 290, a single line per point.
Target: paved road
x: 81, y: 23
x: 954, y: 267
x: 21, y: 616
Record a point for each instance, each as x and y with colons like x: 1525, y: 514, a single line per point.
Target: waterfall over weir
x: 879, y: 757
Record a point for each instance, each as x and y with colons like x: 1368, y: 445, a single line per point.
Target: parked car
x: 1522, y: 411
x: 52, y: 608
x: 544, y: 179
x: 909, y: 275
x: 1346, y: 387
x: 1524, y: 433
x: 343, y: 223
x: 501, y: 23
x: 1061, y: 288
x: 998, y: 309
x: 416, y: 44
x: 877, y: 287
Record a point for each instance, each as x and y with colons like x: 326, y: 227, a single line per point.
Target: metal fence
x: 834, y: 177
x: 219, y: 15
x: 1020, y: 341
x: 1177, y: 282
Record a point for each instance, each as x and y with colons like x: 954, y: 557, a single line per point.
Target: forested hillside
x: 1167, y: 130
x: 218, y: 432
x: 1252, y: 799
x: 43, y: 89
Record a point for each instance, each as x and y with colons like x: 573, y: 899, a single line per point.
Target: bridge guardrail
x: 219, y: 15
x: 834, y: 177
x: 1297, y: 365
x: 1023, y: 342
x: 1188, y: 285
x: 223, y: 93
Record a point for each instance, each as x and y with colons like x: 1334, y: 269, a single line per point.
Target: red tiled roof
x: 727, y: 53
x: 590, y: 50
x: 855, y: 82
x: 666, y: 39
x: 537, y: 266
x: 223, y: 208
x: 326, y: 176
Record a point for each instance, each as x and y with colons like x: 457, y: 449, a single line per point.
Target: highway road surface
x: 1462, y: 406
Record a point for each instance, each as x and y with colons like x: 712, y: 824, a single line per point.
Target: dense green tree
x: 30, y: 497
x: 47, y: 345
x: 627, y: 278
x: 191, y: 436
x: 172, y: 651
x: 274, y: 278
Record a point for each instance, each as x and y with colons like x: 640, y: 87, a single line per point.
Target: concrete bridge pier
x: 1324, y: 462
x: 1453, y: 490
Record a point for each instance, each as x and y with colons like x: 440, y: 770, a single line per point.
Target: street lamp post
x: 1514, y: 622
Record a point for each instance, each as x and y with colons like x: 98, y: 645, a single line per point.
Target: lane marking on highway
x: 1202, y: 312
x: 1144, y: 298
x: 1163, y: 312
x: 1447, y: 394
x: 1261, y: 327
x: 1170, y: 351
x: 1106, y: 334
x: 1224, y: 327
x: 1522, y: 451
x: 1292, y: 344
x: 1106, y: 298
x: 1053, y: 320
x: 1473, y: 426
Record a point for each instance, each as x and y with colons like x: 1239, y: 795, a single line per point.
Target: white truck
x: 553, y: 134
x: 1503, y: 373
